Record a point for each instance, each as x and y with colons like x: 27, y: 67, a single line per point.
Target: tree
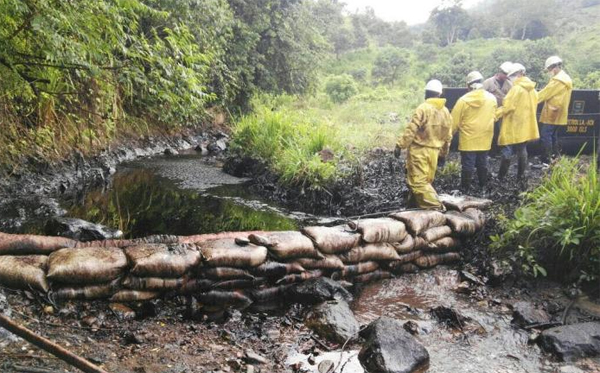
x: 454, y: 72
x: 391, y: 63
x: 340, y: 88
x: 451, y: 22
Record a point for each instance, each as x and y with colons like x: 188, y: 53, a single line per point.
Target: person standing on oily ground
x: 473, y: 116
x: 519, y: 122
x: 498, y: 85
x: 426, y: 138
x: 556, y: 97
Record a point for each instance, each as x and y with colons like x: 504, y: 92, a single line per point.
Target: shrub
x: 557, y: 227
x: 341, y: 87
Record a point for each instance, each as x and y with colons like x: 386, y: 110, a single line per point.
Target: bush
x: 558, y: 225
x: 341, y: 87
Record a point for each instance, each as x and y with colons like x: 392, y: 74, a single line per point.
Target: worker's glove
x: 397, y: 152
x: 441, y: 162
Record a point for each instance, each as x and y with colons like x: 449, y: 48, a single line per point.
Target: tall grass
x: 557, y: 228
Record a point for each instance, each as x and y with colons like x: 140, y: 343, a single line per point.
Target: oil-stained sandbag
x: 445, y: 244
x: 418, y: 221
x: 133, y: 296
x: 356, y: 269
x: 269, y: 294
x: 287, y: 245
x: 405, y: 258
x: 224, y: 273
x: 154, y: 239
x: 461, y: 203
x: 330, y: 262
x: 461, y: 224
x: 29, y: 244
x: 420, y: 243
x: 370, y: 252
x: 226, y: 253
x: 224, y: 298
x: 90, y: 292
x: 195, y: 285
x: 403, y: 268
x: 477, y: 215
x: 90, y: 265
x: 300, y: 277
x: 24, y: 272
x: 380, y: 230
x: 105, y: 243
x: 277, y: 270
x: 373, y: 276
x: 434, y: 234
x: 407, y: 245
x: 162, y: 260
x: 431, y: 260
x: 152, y: 283
x: 200, y: 238
x: 332, y: 240
x: 239, y: 284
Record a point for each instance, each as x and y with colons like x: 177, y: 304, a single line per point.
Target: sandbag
x: 405, y: 258
x: 277, y: 270
x: 133, y: 296
x: 444, y: 244
x: 370, y: 252
x: 90, y: 265
x: 434, y: 234
x: 373, y: 276
x: 380, y: 230
x: 226, y: 253
x: 399, y: 268
x: 29, y: 244
x: 154, y: 239
x: 24, y: 272
x: 418, y: 221
x: 300, y: 277
x: 91, y: 292
x: 152, y: 283
x: 332, y: 240
x: 195, y: 285
x: 224, y: 273
x: 407, y: 245
x: 461, y: 203
x: 162, y: 260
x: 287, y: 245
x: 431, y: 260
x: 239, y: 284
x: 224, y: 298
x: 201, y: 238
x: 330, y: 262
x: 420, y: 243
x: 477, y: 215
x: 356, y: 269
x: 461, y: 224
x: 269, y: 294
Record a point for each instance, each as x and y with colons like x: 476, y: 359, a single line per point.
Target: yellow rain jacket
x: 428, y: 135
x: 557, y: 97
x: 474, y: 116
x: 519, y: 122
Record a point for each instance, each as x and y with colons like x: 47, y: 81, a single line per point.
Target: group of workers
x: 509, y: 97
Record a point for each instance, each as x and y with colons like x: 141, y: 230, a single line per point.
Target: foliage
x: 451, y: 23
x: 391, y: 64
x: 558, y: 225
x: 340, y: 88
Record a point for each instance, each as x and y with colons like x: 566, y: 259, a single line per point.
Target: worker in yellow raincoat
x: 473, y: 116
x: 556, y: 97
x: 427, y: 137
x: 519, y: 124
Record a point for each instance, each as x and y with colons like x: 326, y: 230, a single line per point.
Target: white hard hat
x: 505, y: 67
x: 551, y: 61
x: 473, y: 77
x: 434, y: 86
x: 515, y: 68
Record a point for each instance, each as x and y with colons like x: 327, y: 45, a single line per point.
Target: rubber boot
x: 522, y: 171
x: 504, y: 166
x: 546, y: 153
x: 466, y: 178
x: 482, y: 176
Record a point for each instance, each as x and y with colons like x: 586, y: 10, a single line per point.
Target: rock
x: 80, y: 230
x: 218, y: 146
x: 326, y: 155
x: 390, y: 349
x: 468, y: 276
x: 525, y: 314
x: 498, y: 272
x: 333, y: 320
x: 122, y: 311
x: 326, y: 366
x: 319, y: 290
x: 170, y: 151
x: 202, y: 148
x: 411, y: 327
x: 254, y: 358
x: 571, y: 342
x: 250, y: 369
x: 449, y: 317
x: 570, y: 369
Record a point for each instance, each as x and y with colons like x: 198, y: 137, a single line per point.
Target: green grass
x: 557, y: 227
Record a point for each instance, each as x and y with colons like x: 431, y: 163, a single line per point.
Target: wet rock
x: 326, y: 366
x: 449, y: 317
x: 319, y: 290
x: 333, y: 320
x: 571, y: 342
x: 498, y: 272
x: 411, y: 327
x: 202, y: 148
x: 390, y: 349
x: 526, y: 314
x: 170, y: 151
x: 79, y: 229
x: 254, y: 358
x: 218, y: 146
x: 122, y: 311
x: 468, y: 276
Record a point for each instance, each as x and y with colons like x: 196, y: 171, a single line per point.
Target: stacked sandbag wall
x: 235, y: 269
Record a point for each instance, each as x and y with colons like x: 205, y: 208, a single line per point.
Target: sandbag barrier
x: 237, y: 268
